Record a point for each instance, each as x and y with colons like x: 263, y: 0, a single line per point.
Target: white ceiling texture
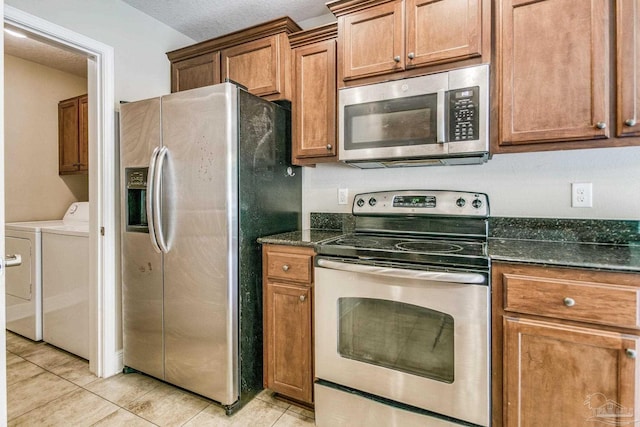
x: 197, y: 19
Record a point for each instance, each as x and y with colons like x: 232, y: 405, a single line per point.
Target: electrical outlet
x: 581, y: 195
x: 343, y: 195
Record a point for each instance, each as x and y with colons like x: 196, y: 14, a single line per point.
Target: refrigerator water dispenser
x: 137, y: 199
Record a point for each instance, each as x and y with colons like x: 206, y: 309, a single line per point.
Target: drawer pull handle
x: 569, y: 302
x: 285, y: 267
x: 631, y: 353
x: 302, y: 298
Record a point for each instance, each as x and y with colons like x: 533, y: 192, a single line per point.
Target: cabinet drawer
x: 289, y: 266
x: 572, y: 300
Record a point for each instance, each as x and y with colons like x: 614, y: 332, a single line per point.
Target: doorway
x: 105, y: 359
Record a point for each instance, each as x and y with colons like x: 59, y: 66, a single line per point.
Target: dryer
x: 23, y: 283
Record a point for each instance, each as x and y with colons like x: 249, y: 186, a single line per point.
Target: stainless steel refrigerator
x: 205, y: 172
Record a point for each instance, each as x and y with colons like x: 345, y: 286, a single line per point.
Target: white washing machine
x: 65, y: 282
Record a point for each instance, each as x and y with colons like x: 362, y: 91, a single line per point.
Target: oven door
x: 418, y: 338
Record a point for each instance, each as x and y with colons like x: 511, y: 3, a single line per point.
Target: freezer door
x: 199, y: 223
x: 142, y: 280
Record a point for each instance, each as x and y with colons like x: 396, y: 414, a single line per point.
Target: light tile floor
x: 49, y: 387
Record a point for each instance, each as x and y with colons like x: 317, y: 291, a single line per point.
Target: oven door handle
x: 433, y: 276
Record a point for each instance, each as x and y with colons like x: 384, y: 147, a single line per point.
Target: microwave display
x: 391, y: 122
x: 464, y: 121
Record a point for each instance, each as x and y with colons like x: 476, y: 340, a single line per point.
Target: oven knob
x: 461, y: 202
x: 372, y: 201
x: 360, y: 202
x: 477, y: 203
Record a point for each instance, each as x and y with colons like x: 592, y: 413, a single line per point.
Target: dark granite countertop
x: 614, y: 257
x: 597, y: 244
x: 300, y: 238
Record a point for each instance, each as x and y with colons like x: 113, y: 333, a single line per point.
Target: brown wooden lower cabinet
x: 550, y: 370
x: 288, y: 319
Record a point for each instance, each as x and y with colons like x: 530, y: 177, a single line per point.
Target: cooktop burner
x: 429, y: 247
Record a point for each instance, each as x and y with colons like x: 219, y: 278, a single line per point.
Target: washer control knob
x: 461, y: 202
x: 372, y: 201
x: 360, y: 202
x: 477, y: 203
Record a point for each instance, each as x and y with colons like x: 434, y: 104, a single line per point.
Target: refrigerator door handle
x: 150, y: 199
x: 157, y: 188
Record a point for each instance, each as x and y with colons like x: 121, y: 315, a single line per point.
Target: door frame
x: 105, y: 356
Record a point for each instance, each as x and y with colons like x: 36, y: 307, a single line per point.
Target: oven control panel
x: 422, y: 202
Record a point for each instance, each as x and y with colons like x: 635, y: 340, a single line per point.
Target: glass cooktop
x: 409, y: 249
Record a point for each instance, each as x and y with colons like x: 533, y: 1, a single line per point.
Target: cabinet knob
x: 329, y: 147
x: 302, y: 298
x: 411, y: 55
x: 569, y: 302
x: 396, y: 58
x: 601, y: 125
x: 630, y: 122
x: 285, y: 267
x: 631, y: 353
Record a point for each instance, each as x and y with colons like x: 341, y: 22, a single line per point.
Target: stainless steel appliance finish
x: 404, y: 305
x: 438, y: 119
x: 205, y: 173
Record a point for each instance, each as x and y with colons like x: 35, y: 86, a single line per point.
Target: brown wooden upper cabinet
x: 314, y: 100
x: 73, y: 136
x: 627, y: 63
x: 379, y: 37
x: 258, y: 58
x: 555, y: 62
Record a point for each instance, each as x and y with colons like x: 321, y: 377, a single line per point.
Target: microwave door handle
x: 150, y: 199
x: 157, y: 195
x: 440, y: 117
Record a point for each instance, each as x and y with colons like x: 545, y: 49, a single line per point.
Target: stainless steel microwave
x: 437, y: 119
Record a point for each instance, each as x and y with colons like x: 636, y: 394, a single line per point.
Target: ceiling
x: 206, y: 19
x: 45, y: 54
x: 197, y: 19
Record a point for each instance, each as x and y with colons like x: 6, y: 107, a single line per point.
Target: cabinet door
x: 68, y: 134
x: 288, y: 340
x: 628, y: 64
x: 372, y: 41
x: 314, y: 107
x: 203, y: 70
x: 567, y: 376
x: 555, y: 68
x: 256, y: 65
x: 442, y: 31
x: 83, y: 134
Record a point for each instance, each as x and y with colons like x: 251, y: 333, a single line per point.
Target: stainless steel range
x: 402, y: 313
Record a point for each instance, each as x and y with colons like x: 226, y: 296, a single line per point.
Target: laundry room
x: 46, y: 192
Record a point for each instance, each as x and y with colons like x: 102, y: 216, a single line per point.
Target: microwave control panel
x: 464, y: 118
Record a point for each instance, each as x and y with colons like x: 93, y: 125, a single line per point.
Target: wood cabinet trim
x: 314, y: 35
x: 343, y: 7
x: 280, y: 25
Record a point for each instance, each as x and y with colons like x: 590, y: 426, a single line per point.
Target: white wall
x: 520, y: 185
x: 34, y: 189
x: 139, y: 41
